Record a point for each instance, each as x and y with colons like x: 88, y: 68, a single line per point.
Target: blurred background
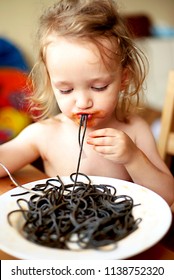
x: 152, y: 25
x: 18, y: 19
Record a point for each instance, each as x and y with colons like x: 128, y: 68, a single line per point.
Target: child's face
x: 81, y: 82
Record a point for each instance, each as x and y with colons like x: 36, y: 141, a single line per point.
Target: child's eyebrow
x: 61, y: 83
x: 102, y: 78
x: 92, y: 80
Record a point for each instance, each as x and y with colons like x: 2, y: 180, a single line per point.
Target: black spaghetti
x: 85, y: 214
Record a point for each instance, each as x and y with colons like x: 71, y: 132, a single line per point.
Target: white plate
x: 154, y: 211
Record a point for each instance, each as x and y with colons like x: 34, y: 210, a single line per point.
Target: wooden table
x: 28, y: 174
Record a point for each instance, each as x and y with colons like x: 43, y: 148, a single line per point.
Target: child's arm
x: 19, y: 151
x: 139, y: 156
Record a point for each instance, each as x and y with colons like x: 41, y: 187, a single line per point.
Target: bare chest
x: 62, y: 157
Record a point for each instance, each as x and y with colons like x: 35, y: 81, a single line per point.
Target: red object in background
x: 13, y: 88
x: 140, y: 25
x: 5, y: 135
x: 14, y: 115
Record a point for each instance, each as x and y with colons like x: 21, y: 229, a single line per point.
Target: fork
x: 15, y: 181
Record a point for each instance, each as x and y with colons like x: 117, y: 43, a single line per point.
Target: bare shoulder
x: 142, y: 133
x: 35, y: 133
x: 44, y: 125
x: 145, y: 141
x: 136, y: 120
x: 136, y: 126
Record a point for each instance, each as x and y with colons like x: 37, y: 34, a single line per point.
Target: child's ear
x: 125, y: 79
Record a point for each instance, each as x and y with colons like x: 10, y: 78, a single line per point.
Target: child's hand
x: 113, y: 144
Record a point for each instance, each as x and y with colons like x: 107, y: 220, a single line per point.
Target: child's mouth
x: 91, y: 118
x: 84, y: 115
x: 83, y: 119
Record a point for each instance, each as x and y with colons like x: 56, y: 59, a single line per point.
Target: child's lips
x: 89, y: 115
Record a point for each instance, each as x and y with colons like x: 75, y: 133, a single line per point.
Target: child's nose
x: 84, y: 101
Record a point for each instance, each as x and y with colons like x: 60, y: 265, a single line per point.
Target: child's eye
x: 66, y: 91
x: 100, y: 88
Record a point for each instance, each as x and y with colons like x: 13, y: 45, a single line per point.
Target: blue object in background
x: 13, y: 80
x: 163, y: 31
x: 10, y: 56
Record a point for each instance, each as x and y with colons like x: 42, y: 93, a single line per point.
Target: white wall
x: 160, y: 53
x: 18, y: 18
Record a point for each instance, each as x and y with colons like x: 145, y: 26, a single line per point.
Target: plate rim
x: 23, y: 255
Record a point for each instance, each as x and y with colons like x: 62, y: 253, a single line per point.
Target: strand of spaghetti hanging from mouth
x: 81, y: 137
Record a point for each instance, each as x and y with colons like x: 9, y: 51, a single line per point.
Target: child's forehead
x: 102, y: 47
x: 108, y: 42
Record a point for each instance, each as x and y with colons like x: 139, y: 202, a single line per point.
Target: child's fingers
x: 100, y: 141
x: 104, y: 150
x: 102, y: 137
x: 102, y: 132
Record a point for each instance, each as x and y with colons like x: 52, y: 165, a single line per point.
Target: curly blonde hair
x: 91, y: 20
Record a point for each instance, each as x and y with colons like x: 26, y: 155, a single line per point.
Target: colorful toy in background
x: 14, y: 115
x: 11, y: 56
x: 12, y: 122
